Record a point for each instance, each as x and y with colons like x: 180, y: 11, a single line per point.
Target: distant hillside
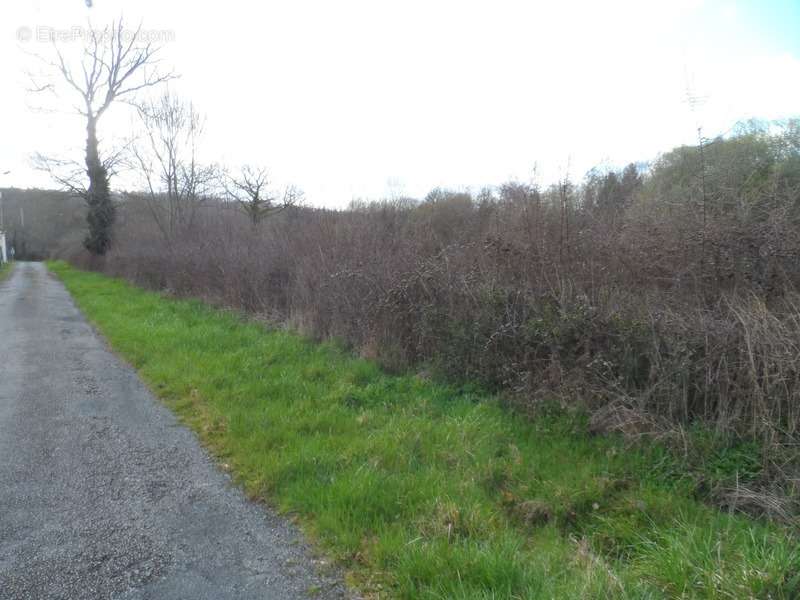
x: 42, y: 223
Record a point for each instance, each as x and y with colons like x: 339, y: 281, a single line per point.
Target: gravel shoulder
x: 103, y: 494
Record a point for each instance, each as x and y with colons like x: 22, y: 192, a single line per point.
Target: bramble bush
x: 655, y: 298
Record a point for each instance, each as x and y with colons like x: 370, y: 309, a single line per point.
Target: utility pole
x: 4, y: 173
x: 3, y: 240
x: 2, y: 233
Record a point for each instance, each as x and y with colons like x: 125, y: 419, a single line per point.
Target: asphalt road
x: 103, y: 494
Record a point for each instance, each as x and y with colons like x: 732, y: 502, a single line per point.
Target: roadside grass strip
x: 426, y: 490
x: 5, y: 270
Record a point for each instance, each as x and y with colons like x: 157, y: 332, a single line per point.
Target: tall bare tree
x: 115, y: 64
x: 166, y: 156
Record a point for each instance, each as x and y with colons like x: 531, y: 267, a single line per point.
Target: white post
x: 3, y: 257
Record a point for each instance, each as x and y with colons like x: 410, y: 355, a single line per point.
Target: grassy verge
x: 427, y: 491
x: 5, y: 270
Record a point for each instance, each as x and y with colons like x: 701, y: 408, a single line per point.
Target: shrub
x: 616, y: 293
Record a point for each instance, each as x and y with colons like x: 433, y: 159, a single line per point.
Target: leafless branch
x: 114, y: 64
x: 166, y: 157
x: 69, y: 174
x: 249, y: 189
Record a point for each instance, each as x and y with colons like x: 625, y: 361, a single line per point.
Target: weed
x: 423, y: 490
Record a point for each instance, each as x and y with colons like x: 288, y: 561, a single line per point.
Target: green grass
x: 5, y: 270
x: 423, y: 490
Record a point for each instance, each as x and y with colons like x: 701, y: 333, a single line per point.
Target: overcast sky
x: 368, y: 99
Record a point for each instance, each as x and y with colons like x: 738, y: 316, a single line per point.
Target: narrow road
x: 103, y: 494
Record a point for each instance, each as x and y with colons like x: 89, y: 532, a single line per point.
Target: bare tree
x: 114, y: 65
x: 250, y: 190
x: 166, y: 156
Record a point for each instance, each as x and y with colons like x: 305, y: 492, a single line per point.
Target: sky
x: 370, y: 99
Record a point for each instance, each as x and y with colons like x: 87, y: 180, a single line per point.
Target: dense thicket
x: 652, y: 296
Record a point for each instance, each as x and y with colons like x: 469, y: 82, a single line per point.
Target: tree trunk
x: 101, y: 210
